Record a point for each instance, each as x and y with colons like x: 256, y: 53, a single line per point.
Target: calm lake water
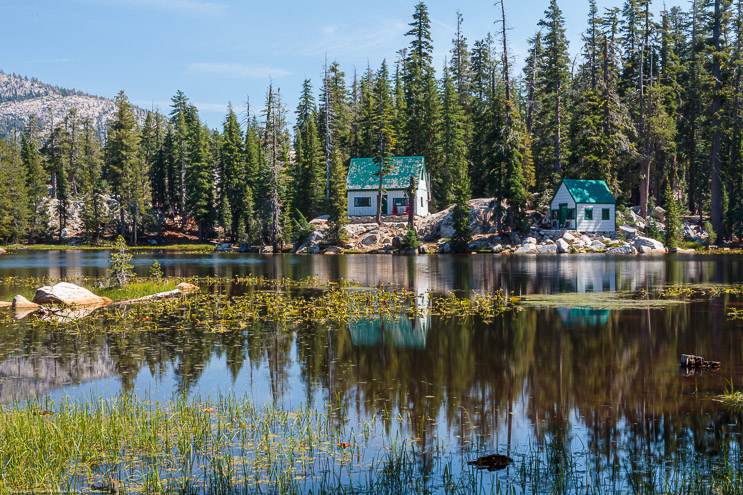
x: 606, y: 380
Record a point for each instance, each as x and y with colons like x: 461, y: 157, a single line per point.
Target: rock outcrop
x: 648, y: 245
x: 68, y: 294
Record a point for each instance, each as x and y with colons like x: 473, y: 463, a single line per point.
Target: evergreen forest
x: 651, y: 104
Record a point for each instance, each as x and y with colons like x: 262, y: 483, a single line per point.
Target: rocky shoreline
x: 365, y: 236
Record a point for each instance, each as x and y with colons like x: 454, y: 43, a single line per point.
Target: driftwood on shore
x: 692, y: 362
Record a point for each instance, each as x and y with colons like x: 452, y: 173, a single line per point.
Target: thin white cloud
x: 344, y: 39
x: 237, y: 71
x: 51, y: 61
x: 190, y: 7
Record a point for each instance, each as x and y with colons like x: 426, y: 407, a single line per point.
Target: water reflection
x: 440, y: 274
x: 609, y: 379
x: 607, y: 376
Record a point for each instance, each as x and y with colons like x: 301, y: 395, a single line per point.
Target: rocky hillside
x: 21, y: 97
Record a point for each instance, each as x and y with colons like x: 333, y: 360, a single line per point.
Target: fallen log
x: 180, y: 290
x: 153, y: 297
x: 690, y: 361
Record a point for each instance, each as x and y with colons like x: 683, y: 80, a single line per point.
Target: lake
x: 604, y: 380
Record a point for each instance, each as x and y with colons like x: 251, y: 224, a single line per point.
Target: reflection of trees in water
x: 619, y: 377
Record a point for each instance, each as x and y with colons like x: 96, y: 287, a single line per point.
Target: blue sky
x: 217, y: 51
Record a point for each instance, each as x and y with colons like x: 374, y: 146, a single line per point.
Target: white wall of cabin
x: 596, y: 224
x: 371, y: 210
x: 562, y: 196
x: 421, y: 198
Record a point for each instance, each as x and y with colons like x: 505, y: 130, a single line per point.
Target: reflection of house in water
x: 583, y: 316
x: 589, y: 278
x: 27, y: 377
x: 402, y: 331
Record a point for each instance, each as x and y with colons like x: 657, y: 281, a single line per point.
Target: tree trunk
x: 412, y: 203
x: 716, y: 172
x: 558, y: 155
x: 379, y: 196
x: 121, y: 216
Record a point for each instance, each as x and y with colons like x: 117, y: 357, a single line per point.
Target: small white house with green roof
x: 584, y: 206
x: 362, y: 185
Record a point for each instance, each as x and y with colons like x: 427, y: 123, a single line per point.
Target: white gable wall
x: 596, y: 224
x: 421, y: 197
x: 562, y: 196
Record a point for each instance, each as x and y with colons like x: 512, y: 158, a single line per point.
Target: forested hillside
x: 651, y: 104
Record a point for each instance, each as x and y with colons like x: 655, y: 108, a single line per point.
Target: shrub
x: 302, y: 229
x: 410, y: 240
x: 120, y: 268
x: 711, y: 232
x: 652, y: 231
x: 156, y: 271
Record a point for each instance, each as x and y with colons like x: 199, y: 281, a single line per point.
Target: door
x: 563, y: 213
x: 384, y: 205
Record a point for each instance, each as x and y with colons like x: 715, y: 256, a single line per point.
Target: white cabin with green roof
x: 362, y: 185
x: 583, y: 206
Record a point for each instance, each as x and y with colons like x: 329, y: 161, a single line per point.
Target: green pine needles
x: 120, y: 267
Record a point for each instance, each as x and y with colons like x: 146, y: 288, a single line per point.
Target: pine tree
x: 93, y: 186
x: 338, y: 206
x: 386, y: 134
x: 122, y: 157
x: 309, y: 176
x: 483, y: 91
x: 36, y: 183
x: 553, y: 82
x: 233, y: 178
x: 453, y: 156
x: 462, y: 236
x: 199, y: 184
x: 13, y: 197
x: 276, y: 159
x: 673, y: 220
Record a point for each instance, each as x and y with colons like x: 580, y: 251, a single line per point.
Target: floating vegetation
x: 731, y: 398
x: 232, y: 304
x: 620, y: 300
x: 699, y: 290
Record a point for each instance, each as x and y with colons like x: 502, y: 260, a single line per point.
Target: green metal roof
x: 362, y: 173
x: 589, y: 191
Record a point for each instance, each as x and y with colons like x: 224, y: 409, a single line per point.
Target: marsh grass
x: 229, y: 445
x: 139, y: 288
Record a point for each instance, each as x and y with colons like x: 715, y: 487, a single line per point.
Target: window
x: 400, y: 202
x: 605, y: 214
x: 589, y: 213
x: 571, y: 214
x: 555, y: 214
x: 362, y: 201
x: 421, y: 202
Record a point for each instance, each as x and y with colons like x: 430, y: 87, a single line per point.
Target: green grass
x: 138, y: 288
x: 131, y: 445
x: 107, y: 246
